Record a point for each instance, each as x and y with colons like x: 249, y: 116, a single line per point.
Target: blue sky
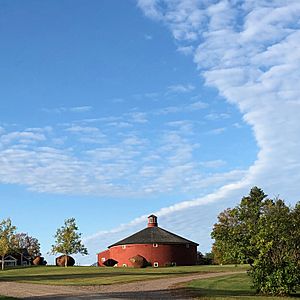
x: 112, y: 110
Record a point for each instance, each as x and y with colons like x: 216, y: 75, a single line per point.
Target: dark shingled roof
x: 153, y: 235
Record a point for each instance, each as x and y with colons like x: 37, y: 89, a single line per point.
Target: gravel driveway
x: 166, y: 288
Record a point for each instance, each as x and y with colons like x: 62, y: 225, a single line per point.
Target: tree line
x: 67, y: 241
x: 264, y: 233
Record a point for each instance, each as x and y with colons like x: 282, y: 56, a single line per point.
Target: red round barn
x: 156, y: 245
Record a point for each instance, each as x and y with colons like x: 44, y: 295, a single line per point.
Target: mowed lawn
x: 232, y: 287
x: 103, y: 275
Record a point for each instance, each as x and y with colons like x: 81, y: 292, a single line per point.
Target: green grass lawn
x: 230, y: 287
x: 103, y: 275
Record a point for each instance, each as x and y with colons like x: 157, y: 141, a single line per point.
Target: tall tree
x: 276, y: 269
x: 7, y: 234
x: 236, y: 230
x: 25, y: 241
x: 68, y: 240
x: 266, y: 234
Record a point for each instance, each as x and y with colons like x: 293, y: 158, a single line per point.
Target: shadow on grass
x: 218, y: 293
x: 86, y: 276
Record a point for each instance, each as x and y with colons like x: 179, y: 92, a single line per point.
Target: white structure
x: 9, y: 261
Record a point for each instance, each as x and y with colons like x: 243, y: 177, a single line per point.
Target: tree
x: 7, y: 234
x: 68, y: 240
x: 276, y: 270
x: 265, y: 233
x: 236, y: 230
x: 25, y: 241
x: 206, y: 259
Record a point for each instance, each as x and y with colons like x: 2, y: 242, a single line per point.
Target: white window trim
x: 155, y: 264
x: 124, y: 265
x: 155, y: 245
x: 123, y: 246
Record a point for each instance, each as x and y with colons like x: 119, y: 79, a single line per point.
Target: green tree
x: 226, y: 247
x: 68, y: 240
x: 276, y: 269
x: 25, y: 241
x: 236, y: 230
x: 265, y: 233
x: 7, y: 234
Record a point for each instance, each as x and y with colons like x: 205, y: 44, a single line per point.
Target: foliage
x: 31, y: 244
x: 275, y: 271
x: 236, y: 231
x: 68, y: 240
x: 7, y: 234
x: 206, y: 259
x: 266, y: 234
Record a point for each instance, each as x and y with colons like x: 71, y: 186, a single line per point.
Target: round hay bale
x: 138, y: 261
x: 39, y: 261
x: 60, y: 261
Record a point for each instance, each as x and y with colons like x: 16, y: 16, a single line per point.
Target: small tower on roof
x: 152, y: 221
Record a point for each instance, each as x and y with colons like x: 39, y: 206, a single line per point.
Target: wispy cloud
x: 84, y: 160
x: 181, y: 88
x: 80, y: 109
x: 73, y: 109
x: 216, y: 131
x: 217, y: 116
x: 186, y: 50
x: 191, y: 107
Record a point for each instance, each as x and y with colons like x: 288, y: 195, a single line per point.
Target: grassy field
x: 231, y: 287
x: 97, y: 276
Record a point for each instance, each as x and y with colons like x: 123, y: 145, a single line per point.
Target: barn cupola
x: 152, y: 221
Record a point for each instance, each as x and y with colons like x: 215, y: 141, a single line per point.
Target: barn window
x: 124, y: 265
x: 103, y: 259
x: 155, y: 245
x: 173, y: 264
x: 155, y: 264
x: 123, y: 246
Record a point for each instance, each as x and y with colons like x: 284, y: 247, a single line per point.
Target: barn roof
x: 153, y: 235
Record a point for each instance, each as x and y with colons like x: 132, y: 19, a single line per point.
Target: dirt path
x: 165, y: 288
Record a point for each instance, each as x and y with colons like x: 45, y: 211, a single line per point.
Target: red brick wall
x: 163, y: 254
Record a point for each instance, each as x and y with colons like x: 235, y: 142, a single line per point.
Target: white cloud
x: 217, y: 116
x: 87, y: 134
x: 181, y: 88
x: 82, y: 160
x: 198, y: 105
x: 194, y: 106
x: 25, y: 137
x: 74, y: 109
x: 80, y: 109
x: 137, y: 117
x: 217, y: 131
x: 186, y: 50
x: 213, y: 163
